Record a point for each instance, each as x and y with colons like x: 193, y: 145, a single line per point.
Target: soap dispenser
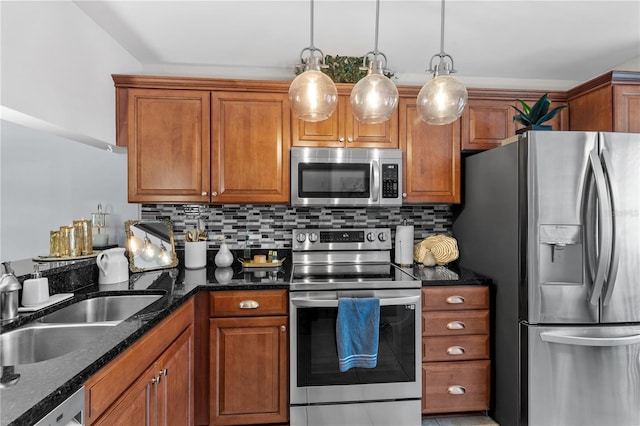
x: 35, y: 290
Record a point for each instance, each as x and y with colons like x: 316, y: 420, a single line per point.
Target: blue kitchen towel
x: 357, y: 332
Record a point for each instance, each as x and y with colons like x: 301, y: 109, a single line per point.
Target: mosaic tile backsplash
x: 270, y: 226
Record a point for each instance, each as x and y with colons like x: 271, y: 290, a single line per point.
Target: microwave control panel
x: 390, y: 181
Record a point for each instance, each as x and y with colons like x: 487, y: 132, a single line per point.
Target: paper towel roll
x: 404, y: 245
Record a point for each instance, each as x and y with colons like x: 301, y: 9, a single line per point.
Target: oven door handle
x: 333, y: 303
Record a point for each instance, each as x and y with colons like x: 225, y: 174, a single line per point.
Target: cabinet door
x: 250, y: 147
x: 431, y: 159
x: 175, y: 393
x: 168, y: 145
x: 329, y: 133
x: 626, y: 108
x: 485, y: 123
x: 249, y: 370
x: 343, y: 130
x: 136, y: 406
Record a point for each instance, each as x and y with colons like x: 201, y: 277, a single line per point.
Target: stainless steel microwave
x: 346, y: 177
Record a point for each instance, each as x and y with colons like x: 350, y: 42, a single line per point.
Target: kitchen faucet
x: 9, y: 287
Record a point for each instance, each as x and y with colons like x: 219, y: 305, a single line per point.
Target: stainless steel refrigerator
x: 554, y: 220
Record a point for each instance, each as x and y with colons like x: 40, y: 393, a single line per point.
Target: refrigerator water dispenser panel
x: 561, y: 257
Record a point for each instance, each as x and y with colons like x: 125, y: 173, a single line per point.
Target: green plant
x: 344, y: 69
x: 538, y: 113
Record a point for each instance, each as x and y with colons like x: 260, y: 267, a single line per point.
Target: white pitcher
x: 113, y: 265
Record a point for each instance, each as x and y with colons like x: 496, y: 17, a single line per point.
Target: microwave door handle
x: 333, y: 303
x: 604, y: 207
x: 590, y: 341
x: 615, y: 253
x: 375, y: 171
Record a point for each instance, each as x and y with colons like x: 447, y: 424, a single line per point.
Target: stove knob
x: 371, y: 237
x: 382, y: 237
x: 301, y: 237
x: 313, y: 237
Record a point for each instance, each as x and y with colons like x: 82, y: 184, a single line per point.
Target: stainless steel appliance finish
x: 70, y: 412
x: 346, y: 177
x: 553, y: 220
x: 329, y: 264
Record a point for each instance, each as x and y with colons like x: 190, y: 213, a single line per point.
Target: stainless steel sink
x: 40, y: 342
x: 101, y: 309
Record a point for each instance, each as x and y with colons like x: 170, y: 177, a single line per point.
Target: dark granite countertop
x: 44, y: 385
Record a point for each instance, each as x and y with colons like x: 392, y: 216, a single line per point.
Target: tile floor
x: 470, y: 420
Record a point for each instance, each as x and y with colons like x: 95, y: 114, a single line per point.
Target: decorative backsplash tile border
x: 270, y: 226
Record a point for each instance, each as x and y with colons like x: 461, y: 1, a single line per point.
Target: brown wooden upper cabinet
x: 431, y: 159
x: 609, y: 103
x: 488, y: 117
x: 195, y: 146
x: 343, y: 130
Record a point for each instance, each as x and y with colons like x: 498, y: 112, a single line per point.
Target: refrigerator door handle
x: 604, y: 210
x: 615, y: 250
x: 590, y: 341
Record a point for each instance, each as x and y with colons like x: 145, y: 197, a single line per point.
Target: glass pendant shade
x: 374, y: 98
x: 313, y: 96
x: 442, y: 100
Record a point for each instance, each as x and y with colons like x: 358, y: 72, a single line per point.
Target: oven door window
x: 317, y: 354
x: 322, y: 180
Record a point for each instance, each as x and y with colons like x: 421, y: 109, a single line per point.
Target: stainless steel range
x: 330, y: 264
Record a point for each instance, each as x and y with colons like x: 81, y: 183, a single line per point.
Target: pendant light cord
x: 311, y: 26
x: 442, y: 30
x: 375, y: 47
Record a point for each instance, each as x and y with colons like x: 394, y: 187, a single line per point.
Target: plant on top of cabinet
x: 532, y: 117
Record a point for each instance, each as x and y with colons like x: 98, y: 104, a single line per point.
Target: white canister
x: 195, y: 254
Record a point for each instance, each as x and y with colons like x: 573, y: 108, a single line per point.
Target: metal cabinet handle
x: 455, y: 350
x: 404, y: 195
x: 456, y: 325
x: 155, y: 380
x: 204, y: 194
x: 214, y: 194
x: 455, y: 300
x: 341, y: 139
x: 283, y: 328
x: 350, y: 140
x: 248, y: 304
x: 456, y: 390
x: 163, y: 372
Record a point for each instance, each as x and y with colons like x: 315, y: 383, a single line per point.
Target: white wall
x: 48, y: 181
x: 56, y: 67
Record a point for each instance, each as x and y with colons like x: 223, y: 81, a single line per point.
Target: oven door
x: 315, y: 375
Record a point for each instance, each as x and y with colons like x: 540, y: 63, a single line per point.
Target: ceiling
x: 516, y: 43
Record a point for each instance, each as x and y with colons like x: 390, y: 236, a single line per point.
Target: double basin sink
x: 69, y: 328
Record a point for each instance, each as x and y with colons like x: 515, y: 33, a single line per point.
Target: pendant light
x: 312, y: 94
x: 441, y: 100
x: 374, y: 98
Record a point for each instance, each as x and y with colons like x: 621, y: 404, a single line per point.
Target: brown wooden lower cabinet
x: 455, y: 386
x: 456, y: 366
x: 149, y: 383
x: 249, y: 360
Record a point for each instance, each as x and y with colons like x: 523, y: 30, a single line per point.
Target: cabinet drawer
x: 457, y: 348
x: 455, y: 386
x: 452, y: 323
x: 455, y: 298
x: 248, y: 303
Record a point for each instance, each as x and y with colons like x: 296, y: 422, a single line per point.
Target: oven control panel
x: 315, y: 239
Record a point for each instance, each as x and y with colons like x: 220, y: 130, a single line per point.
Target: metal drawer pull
x: 248, y: 304
x: 455, y: 300
x: 456, y: 325
x: 456, y: 390
x: 455, y: 350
